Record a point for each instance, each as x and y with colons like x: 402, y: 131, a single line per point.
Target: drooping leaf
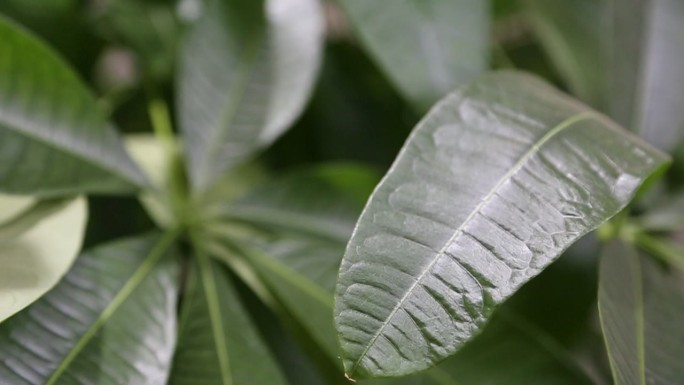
x: 590, y: 40
x: 641, y: 306
x: 495, y: 182
x: 246, y: 71
x: 217, y: 342
x: 426, y: 47
x: 54, y: 141
x: 36, y: 249
x: 309, y: 215
x: 112, y: 320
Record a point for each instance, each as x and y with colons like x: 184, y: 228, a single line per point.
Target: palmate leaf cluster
x: 147, y: 235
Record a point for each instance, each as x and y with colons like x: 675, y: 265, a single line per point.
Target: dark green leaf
x: 246, y: 71
x: 426, y: 47
x: 641, y: 306
x: 53, y: 139
x: 591, y: 41
x: 310, y: 215
x: 568, y: 30
x: 150, y: 28
x: 37, y: 248
x: 112, y: 320
x: 217, y: 342
x: 491, y: 187
x: 511, y: 351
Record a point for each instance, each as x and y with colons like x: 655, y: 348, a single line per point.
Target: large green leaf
x: 112, y: 320
x: 53, y: 139
x: 37, y: 248
x: 426, y: 47
x: 495, y: 182
x: 590, y: 40
x: 641, y: 306
x: 246, y: 71
x: 218, y: 344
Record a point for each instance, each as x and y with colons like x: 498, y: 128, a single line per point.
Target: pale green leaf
x: 641, y: 306
x: 36, y: 249
x: 53, y: 139
x: 246, y: 71
x: 112, y: 320
x: 426, y: 47
x: 491, y: 187
x: 218, y: 343
x: 13, y: 205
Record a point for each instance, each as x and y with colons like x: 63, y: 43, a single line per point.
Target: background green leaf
x: 54, y: 141
x: 530, y: 171
x: 426, y: 47
x: 36, y: 249
x: 218, y: 343
x: 112, y: 320
x: 622, y: 57
x: 307, y: 217
x: 245, y: 73
x: 641, y: 304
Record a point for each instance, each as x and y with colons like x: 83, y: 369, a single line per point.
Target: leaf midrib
x: 243, y: 74
x: 127, y: 289
x: 485, y: 200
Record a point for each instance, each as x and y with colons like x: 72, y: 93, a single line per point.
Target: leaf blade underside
x: 112, y: 320
x: 246, y: 71
x: 54, y: 141
x: 497, y: 180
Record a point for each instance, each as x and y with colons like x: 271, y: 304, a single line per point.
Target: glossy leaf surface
x: 112, y: 320
x: 495, y: 182
x: 218, y: 344
x: 426, y: 47
x: 53, y: 139
x: 37, y: 248
x: 246, y: 71
x: 641, y: 304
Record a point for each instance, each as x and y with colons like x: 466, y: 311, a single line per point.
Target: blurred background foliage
x: 126, y: 50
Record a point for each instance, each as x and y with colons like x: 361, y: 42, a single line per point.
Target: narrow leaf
x: 36, y: 249
x: 491, y: 187
x: 112, y: 320
x: 246, y: 71
x: 426, y: 47
x: 218, y: 343
x: 309, y: 215
x: 569, y: 31
x: 641, y: 306
x: 54, y: 141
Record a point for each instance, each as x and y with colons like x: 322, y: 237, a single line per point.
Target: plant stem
x: 661, y: 248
